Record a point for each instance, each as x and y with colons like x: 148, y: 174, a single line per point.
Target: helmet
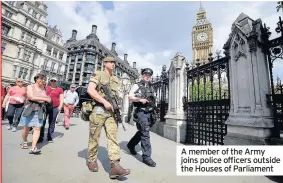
x: 147, y: 71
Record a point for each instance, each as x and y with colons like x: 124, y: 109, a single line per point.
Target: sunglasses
x: 53, y: 81
x: 19, y: 81
x: 73, y: 87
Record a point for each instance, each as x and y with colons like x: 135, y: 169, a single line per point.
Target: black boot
x: 132, y: 150
x: 40, y: 140
x: 149, y: 162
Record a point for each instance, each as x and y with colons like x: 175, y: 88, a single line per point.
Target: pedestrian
x: 71, y: 99
x: 2, y: 93
x: 102, y: 116
x: 4, y: 110
x: 2, y: 99
x: 31, y: 128
x: 15, y: 99
x: 34, y: 112
x: 139, y: 95
x: 57, y: 96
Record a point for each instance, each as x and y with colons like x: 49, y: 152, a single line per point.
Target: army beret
x: 109, y: 59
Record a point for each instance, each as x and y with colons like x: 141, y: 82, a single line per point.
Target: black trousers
x: 14, y: 113
x: 52, y: 114
x: 142, y: 135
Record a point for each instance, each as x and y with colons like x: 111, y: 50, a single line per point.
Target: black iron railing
x: 274, y: 51
x: 161, y: 88
x: 209, y: 102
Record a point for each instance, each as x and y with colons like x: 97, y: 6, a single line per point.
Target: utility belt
x: 144, y: 109
x: 97, y: 104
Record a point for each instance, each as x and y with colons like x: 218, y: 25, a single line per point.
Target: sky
x: 152, y: 33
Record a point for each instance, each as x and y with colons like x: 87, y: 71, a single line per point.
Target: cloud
x: 151, y: 33
x: 80, y: 16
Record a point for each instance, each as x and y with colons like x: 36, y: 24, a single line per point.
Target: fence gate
x: 274, y: 50
x: 208, y: 104
x: 161, y: 89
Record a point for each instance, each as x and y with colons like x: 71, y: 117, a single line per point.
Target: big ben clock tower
x: 202, y: 37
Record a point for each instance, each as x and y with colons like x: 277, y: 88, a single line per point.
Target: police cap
x: 109, y: 59
x: 147, y: 71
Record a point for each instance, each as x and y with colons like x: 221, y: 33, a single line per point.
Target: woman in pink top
x: 16, y: 97
x: 34, y: 111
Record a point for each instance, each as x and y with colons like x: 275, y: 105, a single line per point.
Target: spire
x: 201, y: 9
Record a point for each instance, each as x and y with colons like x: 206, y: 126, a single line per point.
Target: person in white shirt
x: 71, y: 99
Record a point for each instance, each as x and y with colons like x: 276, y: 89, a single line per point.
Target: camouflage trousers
x: 99, y: 118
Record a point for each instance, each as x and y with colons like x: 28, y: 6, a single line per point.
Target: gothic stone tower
x: 202, y: 37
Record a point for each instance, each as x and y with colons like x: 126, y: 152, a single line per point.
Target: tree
x: 204, y: 92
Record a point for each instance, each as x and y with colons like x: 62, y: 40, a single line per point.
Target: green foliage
x: 204, y: 91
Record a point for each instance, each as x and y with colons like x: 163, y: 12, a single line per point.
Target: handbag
x: 49, y: 106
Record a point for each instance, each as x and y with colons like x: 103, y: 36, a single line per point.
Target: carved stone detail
x: 253, y: 42
x: 172, y: 74
x: 239, y: 47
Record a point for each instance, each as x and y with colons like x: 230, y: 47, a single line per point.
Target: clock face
x: 202, y: 36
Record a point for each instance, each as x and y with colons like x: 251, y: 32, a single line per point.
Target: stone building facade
x: 54, y: 55
x: 85, y: 56
x: 23, y: 33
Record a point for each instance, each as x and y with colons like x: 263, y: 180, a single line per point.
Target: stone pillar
x: 21, y: 55
x: 82, y: 68
x: 249, y: 121
x: 57, y: 56
x: 125, y: 106
x: 75, y: 68
x: 52, y: 49
x: 96, y: 61
x: 44, y: 49
x: 10, y: 34
x: 174, y: 127
x: 32, y: 56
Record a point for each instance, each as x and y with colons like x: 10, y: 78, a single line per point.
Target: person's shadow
x: 102, y: 157
x: 69, y: 124
x: 277, y: 179
x: 123, y: 145
x: 45, y: 142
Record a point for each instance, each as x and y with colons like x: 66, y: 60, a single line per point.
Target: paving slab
x: 64, y: 161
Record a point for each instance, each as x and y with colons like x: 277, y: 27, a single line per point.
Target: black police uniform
x: 144, y: 122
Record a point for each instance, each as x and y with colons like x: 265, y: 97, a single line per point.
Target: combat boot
x: 117, y: 171
x: 92, y: 166
x: 149, y: 162
x: 132, y: 150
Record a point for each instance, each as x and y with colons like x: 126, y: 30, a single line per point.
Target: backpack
x: 86, y: 110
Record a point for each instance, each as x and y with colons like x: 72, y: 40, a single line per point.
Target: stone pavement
x: 64, y: 161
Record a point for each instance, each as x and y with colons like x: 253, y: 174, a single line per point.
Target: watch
x: 202, y: 36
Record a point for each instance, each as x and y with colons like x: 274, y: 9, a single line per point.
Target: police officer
x: 139, y: 95
x: 101, y: 116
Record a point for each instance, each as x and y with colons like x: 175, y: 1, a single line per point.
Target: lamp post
x: 125, y: 88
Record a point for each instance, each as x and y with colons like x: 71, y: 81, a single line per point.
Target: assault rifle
x: 151, y: 106
x: 113, y: 101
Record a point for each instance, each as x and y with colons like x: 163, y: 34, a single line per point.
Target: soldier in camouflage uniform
x: 101, y: 116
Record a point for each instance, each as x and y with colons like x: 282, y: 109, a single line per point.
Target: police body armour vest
x: 146, y: 90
